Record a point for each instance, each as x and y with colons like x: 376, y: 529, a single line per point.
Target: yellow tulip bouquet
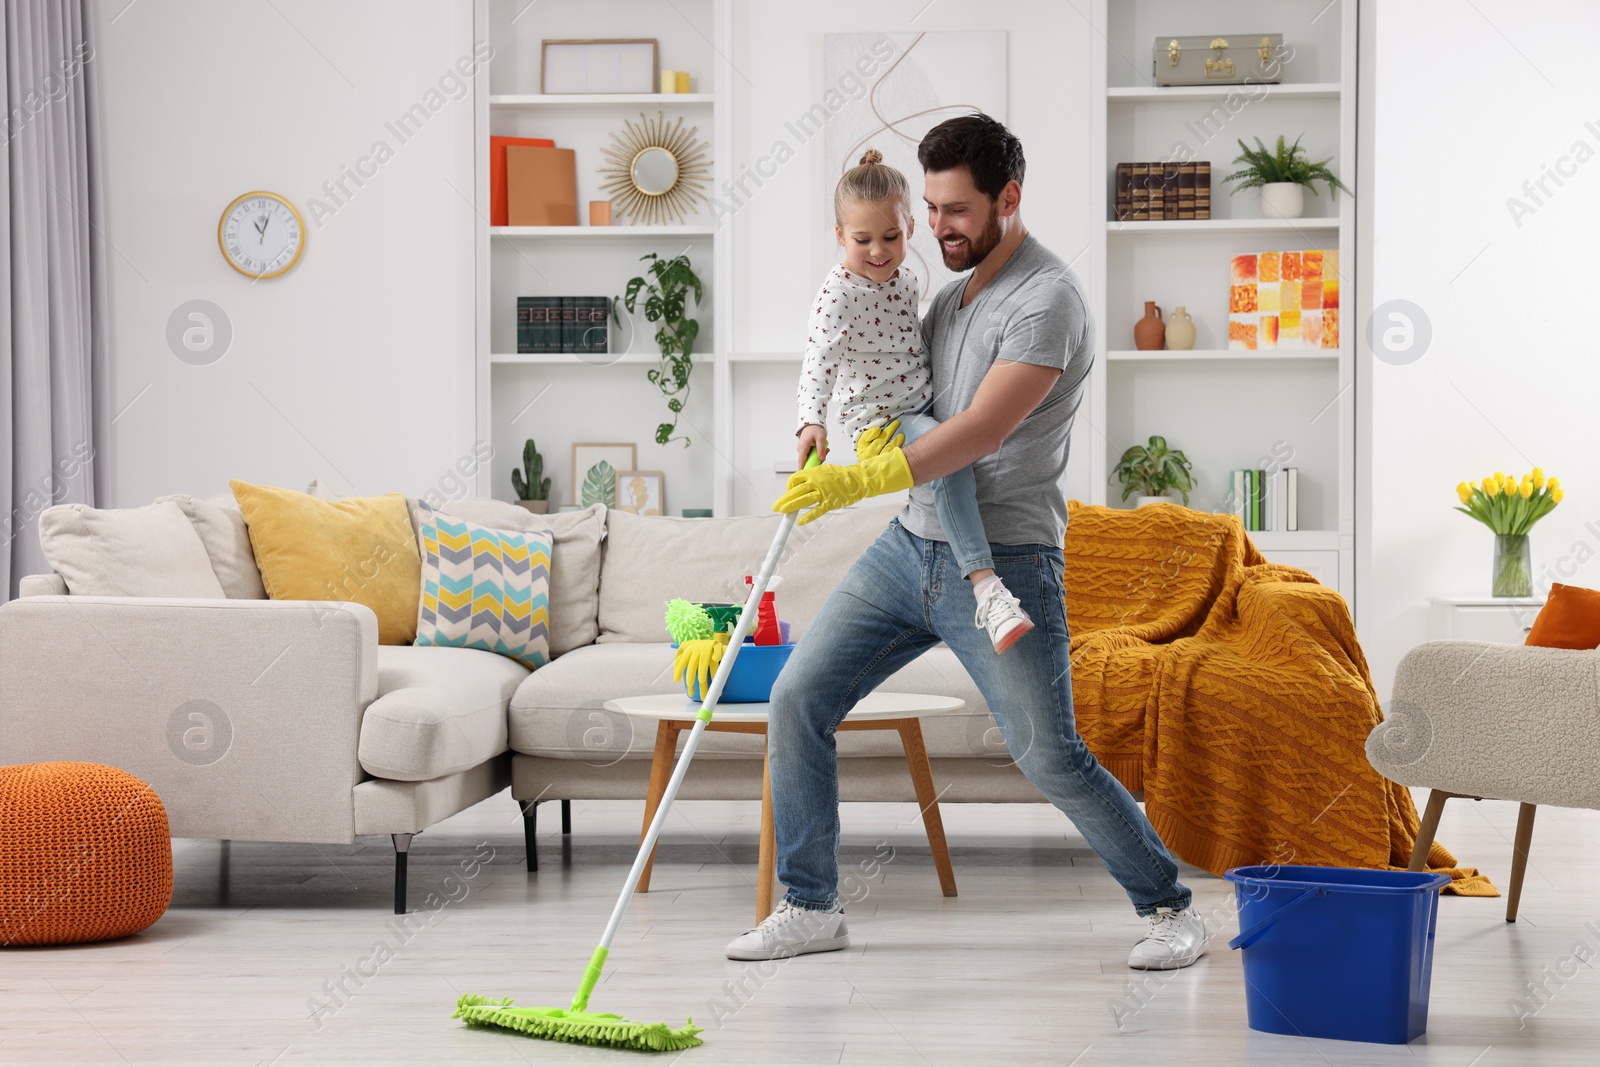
x: 1510, y: 506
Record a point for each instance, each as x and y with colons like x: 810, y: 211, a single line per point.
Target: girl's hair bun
x: 872, y: 156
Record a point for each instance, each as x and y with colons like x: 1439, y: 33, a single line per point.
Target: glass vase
x: 1513, y: 565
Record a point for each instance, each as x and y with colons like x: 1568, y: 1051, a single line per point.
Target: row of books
x: 562, y: 323
x: 1267, y: 500
x: 1147, y: 191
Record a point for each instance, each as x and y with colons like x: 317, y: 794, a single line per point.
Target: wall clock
x: 261, y: 235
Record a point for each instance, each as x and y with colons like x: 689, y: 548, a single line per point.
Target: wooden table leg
x: 660, y: 773
x: 767, y: 855
x: 1519, y: 859
x: 928, y: 799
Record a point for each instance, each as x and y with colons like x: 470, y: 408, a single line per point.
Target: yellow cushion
x: 360, y: 549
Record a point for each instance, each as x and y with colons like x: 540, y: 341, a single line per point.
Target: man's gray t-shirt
x: 1033, y: 311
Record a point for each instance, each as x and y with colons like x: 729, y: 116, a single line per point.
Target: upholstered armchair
x: 1492, y: 721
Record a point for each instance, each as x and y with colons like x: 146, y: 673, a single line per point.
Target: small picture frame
x: 599, y: 65
x: 641, y: 492
x: 621, y: 455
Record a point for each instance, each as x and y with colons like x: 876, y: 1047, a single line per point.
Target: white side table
x: 1502, y: 619
x: 876, y: 711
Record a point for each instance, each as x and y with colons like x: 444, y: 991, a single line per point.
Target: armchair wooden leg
x: 1519, y: 858
x: 1430, y: 827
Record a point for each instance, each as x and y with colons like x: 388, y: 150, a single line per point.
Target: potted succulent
x: 1151, y: 470
x: 666, y: 287
x: 1282, y: 175
x: 532, y: 488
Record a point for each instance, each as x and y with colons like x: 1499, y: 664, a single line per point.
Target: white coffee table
x: 674, y: 713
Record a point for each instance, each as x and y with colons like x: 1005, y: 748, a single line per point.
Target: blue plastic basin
x: 754, y: 672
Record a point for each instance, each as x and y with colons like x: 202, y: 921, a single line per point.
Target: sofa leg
x: 1519, y: 858
x: 1430, y: 827
x: 566, y: 816
x: 530, y: 823
x: 402, y: 843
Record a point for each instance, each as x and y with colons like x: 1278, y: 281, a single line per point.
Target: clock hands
x: 261, y: 229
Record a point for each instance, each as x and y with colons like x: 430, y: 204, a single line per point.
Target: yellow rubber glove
x: 874, y: 439
x: 822, y: 489
x: 698, y: 659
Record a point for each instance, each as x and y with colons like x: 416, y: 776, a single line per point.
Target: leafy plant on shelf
x: 1288, y: 163
x: 666, y: 286
x: 1153, y: 469
x: 529, y: 482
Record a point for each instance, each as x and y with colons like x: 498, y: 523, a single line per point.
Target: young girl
x: 864, y: 353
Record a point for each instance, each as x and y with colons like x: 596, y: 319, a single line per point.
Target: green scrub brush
x: 578, y: 1024
x: 688, y: 621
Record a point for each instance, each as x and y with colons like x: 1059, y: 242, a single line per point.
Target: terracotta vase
x: 1149, y: 333
x: 538, y: 507
x: 1180, y: 330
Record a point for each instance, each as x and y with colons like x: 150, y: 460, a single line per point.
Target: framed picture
x: 620, y: 455
x: 641, y: 492
x: 615, y: 65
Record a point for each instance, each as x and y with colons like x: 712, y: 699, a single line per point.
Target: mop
x: 578, y: 1024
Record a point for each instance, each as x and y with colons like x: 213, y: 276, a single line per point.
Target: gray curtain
x: 52, y: 275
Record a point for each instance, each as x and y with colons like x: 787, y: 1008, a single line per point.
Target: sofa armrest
x: 42, y: 585
x: 242, y: 715
x: 1512, y: 722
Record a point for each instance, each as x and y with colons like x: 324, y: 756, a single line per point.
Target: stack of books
x: 570, y: 324
x: 1148, y: 191
x: 1266, y: 500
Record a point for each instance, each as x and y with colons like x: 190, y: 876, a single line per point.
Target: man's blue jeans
x: 902, y: 597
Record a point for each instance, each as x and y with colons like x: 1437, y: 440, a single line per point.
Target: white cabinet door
x: 1324, y: 566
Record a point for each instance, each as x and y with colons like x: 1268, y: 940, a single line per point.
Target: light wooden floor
x: 1024, y: 967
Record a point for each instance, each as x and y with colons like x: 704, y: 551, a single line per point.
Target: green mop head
x: 578, y: 1027
x: 687, y: 621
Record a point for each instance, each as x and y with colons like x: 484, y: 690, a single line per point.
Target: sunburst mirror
x: 655, y: 170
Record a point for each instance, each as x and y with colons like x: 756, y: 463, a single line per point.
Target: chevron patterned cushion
x: 484, y: 588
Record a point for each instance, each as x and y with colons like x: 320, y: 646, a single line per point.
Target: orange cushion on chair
x: 1570, y: 618
x: 85, y: 854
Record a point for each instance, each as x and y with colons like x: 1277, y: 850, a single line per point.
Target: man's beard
x: 973, y: 252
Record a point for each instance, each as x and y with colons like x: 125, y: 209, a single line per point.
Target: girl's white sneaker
x: 791, y: 931
x: 1001, y: 614
x: 1175, y: 939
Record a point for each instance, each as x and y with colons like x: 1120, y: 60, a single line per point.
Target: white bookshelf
x: 564, y: 398
x: 1225, y: 408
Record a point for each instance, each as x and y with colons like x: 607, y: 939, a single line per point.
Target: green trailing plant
x: 1285, y: 164
x: 1154, y: 469
x: 530, y: 483
x: 666, y: 287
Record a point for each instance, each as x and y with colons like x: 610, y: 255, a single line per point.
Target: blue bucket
x: 753, y: 675
x: 1337, y: 952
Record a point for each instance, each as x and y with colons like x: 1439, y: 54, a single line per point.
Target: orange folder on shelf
x: 498, y: 215
x: 541, y: 186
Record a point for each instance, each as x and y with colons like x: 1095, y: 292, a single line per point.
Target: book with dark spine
x: 1169, y: 190
x: 592, y: 334
x: 525, y: 333
x: 1202, y: 189
x: 1124, y: 191
x: 1139, y: 209
x: 1186, y: 179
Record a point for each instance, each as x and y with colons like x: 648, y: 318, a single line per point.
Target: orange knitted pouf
x: 85, y: 854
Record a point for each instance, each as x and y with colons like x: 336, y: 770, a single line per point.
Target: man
x: 1010, y: 346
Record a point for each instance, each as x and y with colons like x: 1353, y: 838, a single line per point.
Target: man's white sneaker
x: 1001, y: 614
x: 791, y: 931
x: 1175, y: 939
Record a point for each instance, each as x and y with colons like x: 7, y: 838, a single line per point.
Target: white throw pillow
x: 149, y: 551
x: 227, y: 542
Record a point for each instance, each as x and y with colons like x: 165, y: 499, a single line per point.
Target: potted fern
x: 666, y: 286
x: 1152, y: 470
x: 532, y: 488
x: 1283, y: 175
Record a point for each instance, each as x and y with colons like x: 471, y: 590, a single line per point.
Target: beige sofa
x: 263, y: 720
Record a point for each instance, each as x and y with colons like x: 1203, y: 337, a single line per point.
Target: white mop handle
x: 747, y: 619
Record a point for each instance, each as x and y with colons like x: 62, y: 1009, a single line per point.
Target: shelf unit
x: 563, y: 398
x: 1225, y: 408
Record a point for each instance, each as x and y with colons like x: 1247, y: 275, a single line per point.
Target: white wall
x: 778, y: 47
x: 1472, y: 101
x: 356, y: 366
